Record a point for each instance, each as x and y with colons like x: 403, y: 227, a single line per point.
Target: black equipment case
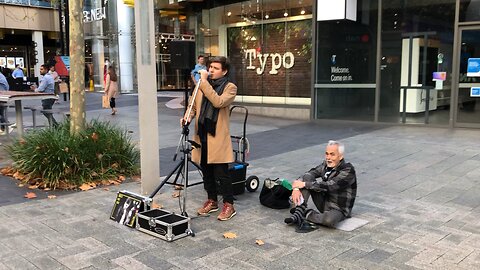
x: 163, y: 224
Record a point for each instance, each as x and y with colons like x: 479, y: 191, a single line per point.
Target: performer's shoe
x: 306, y: 226
x: 227, y: 212
x: 208, y: 207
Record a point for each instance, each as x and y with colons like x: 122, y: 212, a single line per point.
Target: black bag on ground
x: 274, y: 195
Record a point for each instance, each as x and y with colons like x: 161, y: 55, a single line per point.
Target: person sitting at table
x: 47, y: 85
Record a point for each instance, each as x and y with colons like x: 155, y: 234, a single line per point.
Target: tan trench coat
x: 111, y: 88
x: 219, y: 147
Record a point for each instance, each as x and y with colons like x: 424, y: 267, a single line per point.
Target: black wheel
x: 252, y: 183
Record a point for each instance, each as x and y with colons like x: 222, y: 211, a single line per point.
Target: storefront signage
x: 475, y: 92
x: 96, y: 14
x: 339, y: 74
x: 473, y: 68
x: 328, y: 10
x: 287, y: 60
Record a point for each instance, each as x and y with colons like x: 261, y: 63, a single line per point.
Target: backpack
x: 275, y: 194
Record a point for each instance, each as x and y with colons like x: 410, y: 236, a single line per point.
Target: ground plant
x: 53, y: 157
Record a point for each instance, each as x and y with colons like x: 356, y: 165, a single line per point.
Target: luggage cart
x: 238, y: 169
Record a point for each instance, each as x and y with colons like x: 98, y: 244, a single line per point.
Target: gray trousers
x: 326, y: 217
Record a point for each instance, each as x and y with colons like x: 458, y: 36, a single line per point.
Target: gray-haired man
x: 333, y: 188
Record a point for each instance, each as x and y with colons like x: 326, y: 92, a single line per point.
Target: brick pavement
x: 418, y: 188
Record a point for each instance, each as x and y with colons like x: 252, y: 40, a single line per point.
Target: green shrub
x: 101, y: 151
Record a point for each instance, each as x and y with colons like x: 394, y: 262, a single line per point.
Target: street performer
x: 333, y: 188
x: 212, y: 131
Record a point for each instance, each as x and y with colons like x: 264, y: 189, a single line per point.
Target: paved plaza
x: 418, y: 188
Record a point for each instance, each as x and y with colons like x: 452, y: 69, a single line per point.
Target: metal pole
x: 424, y: 77
x: 147, y: 95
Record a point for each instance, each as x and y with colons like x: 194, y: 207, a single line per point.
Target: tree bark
x: 77, y: 67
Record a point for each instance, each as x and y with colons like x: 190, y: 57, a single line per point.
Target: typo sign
x: 95, y: 14
x: 287, y: 60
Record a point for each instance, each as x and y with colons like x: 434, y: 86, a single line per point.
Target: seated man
x: 333, y: 193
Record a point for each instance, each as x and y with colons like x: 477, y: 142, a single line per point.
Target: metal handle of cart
x: 243, y: 142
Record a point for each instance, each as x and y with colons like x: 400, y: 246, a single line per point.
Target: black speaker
x: 182, y: 54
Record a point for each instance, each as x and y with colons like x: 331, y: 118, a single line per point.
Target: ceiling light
x: 302, y: 11
x: 285, y: 14
x: 229, y: 13
x: 266, y: 16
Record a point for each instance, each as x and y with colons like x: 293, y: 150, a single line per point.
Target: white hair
x: 341, y: 146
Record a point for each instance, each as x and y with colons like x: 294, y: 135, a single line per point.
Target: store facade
x: 380, y: 61
x: 413, y: 72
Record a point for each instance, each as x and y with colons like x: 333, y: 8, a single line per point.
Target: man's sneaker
x: 208, y: 207
x: 227, y: 212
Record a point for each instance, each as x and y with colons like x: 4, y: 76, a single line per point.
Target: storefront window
x: 417, y: 39
x: 169, y: 26
x: 345, y: 63
x: 469, y: 10
x: 269, y: 46
x: 103, y: 35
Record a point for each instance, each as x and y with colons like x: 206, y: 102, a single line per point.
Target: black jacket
x: 340, y: 187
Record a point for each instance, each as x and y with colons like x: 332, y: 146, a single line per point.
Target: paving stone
x: 129, y: 262
x: 45, y: 262
x: 152, y: 260
x: 18, y: 262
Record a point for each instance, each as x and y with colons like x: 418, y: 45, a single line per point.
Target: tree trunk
x: 77, y: 67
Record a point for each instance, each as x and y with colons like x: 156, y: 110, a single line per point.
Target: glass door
x: 468, y: 99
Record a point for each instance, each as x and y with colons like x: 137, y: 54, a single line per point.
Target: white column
x: 125, y: 50
x: 147, y: 95
x: 98, y: 61
x: 98, y: 50
x: 37, y: 37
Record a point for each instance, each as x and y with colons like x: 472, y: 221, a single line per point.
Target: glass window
x: 416, y: 36
x: 469, y: 10
x: 345, y: 65
x: 269, y: 45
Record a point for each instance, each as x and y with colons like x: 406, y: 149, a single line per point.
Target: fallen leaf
x: 121, y: 178
x: 178, y: 187
x: 33, y: 186
x: 7, y: 171
x: 106, y: 183
x: 156, y: 206
x: 47, y: 189
x: 113, y: 182
x: 259, y: 242
x: 30, y: 195
x: 21, y: 185
x: 106, y: 189
x: 85, y: 187
x: 51, y: 196
x: 229, y: 235
x: 136, y: 178
x: 176, y: 194
x: 18, y: 175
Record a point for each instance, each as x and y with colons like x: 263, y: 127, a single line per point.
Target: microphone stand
x: 184, y: 146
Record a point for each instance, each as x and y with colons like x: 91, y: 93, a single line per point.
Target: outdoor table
x: 17, y: 96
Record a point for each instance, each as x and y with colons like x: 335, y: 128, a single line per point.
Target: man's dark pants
x: 47, y: 105
x: 327, y: 217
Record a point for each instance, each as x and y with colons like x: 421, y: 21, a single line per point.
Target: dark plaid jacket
x: 340, y: 187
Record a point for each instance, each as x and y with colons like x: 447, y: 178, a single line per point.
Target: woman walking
x: 111, y: 88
